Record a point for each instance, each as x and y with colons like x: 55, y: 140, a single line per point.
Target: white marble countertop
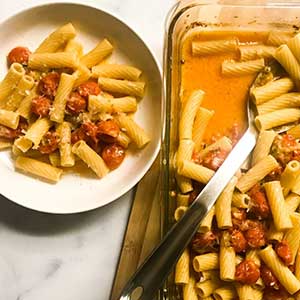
x: 71, y: 257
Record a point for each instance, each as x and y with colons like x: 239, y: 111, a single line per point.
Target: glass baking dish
x: 193, y: 17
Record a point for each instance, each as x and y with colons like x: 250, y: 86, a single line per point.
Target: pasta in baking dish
x: 247, y: 246
x: 60, y: 107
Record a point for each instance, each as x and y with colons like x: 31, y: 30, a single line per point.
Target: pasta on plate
x: 60, y: 106
x: 247, y: 246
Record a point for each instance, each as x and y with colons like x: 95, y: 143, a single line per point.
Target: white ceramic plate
x: 76, y: 193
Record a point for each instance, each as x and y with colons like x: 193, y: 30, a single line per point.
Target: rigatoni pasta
x: 116, y: 71
x: 257, y: 218
x: 53, y: 110
x: 98, y: 54
x: 38, y: 168
x: 232, y: 68
x: 91, y: 158
x: 57, y: 39
x: 123, y: 87
x: 271, y: 90
x: 10, y: 81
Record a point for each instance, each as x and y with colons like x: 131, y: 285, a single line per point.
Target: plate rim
x: 158, y: 66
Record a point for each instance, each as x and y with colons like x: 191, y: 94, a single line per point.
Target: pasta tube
x: 273, y: 234
x: 57, y: 39
x: 292, y: 236
x: 189, y: 291
x: 33, y: 135
x: 23, y: 88
x: 195, y: 171
x: 286, y: 58
x: 188, y: 114
x: 182, y: 269
x: 247, y: 292
x: 123, y: 139
x: 54, y: 159
x: 292, y: 202
x: 57, y: 60
x: 289, y: 176
x: 277, y: 118
x: 280, y: 213
x: 206, y: 223
x: 277, y: 38
x: 82, y: 74
x: 24, y: 109
x: 9, y: 118
x: 294, y: 131
x: 240, y: 200
x: 65, y: 148
x: 206, y: 288
x: 202, y: 119
x: 225, y: 293
x: 59, y: 104
x: 271, y: 90
x: 227, y: 258
x: 223, y: 143
x: 100, y: 104
x: 294, y: 46
x: 179, y: 212
x: 10, y: 81
x: 232, y: 68
x: 251, y: 52
x: 116, y: 71
x: 223, y: 205
x: 263, y: 146
x: 185, y: 151
x: 133, y: 130
x: 214, y: 47
x: 124, y: 87
x: 38, y: 168
x: 182, y: 200
x: 206, y: 262
x: 74, y: 46
x: 91, y: 158
x: 282, y: 272
x: 289, y: 100
x: 257, y: 173
x: 98, y: 54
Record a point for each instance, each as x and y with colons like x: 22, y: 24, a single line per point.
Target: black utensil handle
x: 144, y: 284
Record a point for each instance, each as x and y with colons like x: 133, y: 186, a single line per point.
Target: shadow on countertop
x: 21, y: 219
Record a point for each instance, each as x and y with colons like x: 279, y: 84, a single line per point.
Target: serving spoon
x: 152, y: 274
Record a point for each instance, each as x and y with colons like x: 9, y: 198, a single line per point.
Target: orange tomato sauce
x: 227, y: 96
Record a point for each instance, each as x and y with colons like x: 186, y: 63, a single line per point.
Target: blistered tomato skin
x: 258, y: 203
x: 76, y: 103
x: 40, y: 106
x: 214, y: 159
x: 113, y: 155
x: 238, y: 241
x: 91, y: 131
x: 203, y: 240
x: 108, y: 131
x: 247, y: 272
x: 284, y: 252
x: 78, y: 135
x: 268, y: 277
x: 271, y: 294
x: 255, y: 234
x: 88, y: 88
x: 49, y: 143
x: 48, y: 85
x: 19, y: 55
x: 10, y: 134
